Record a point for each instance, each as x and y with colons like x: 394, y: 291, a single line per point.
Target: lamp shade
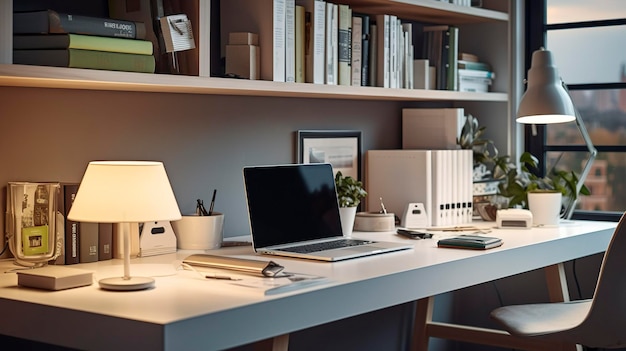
x: 124, y: 191
x: 545, y: 100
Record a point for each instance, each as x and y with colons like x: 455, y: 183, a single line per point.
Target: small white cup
x: 199, y: 232
x: 545, y: 207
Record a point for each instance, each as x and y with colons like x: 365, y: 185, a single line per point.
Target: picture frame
x: 340, y: 148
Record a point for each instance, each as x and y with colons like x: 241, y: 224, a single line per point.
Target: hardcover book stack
x: 49, y: 38
x: 474, y: 75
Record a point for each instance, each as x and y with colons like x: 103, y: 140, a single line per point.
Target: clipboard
x: 255, y: 267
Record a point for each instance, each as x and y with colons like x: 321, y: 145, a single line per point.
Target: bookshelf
x: 198, y: 60
x: 284, y: 107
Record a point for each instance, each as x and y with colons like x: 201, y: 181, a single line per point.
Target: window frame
x: 535, y: 136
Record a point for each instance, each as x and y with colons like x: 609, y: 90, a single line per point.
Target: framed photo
x: 340, y: 148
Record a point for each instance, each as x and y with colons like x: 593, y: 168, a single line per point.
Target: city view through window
x: 592, y: 55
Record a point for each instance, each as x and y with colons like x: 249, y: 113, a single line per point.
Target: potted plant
x: 349, y: 194
x: 513, y: 184
x: 517, y: 184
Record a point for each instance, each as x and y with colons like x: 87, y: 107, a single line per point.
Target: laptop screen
x: 291, y: 203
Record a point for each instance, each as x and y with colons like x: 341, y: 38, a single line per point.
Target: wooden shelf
x: 73, y: 78
x: 428, y: 11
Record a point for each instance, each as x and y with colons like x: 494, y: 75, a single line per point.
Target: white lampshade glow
x: 545, y: 100
x: 125, y: 192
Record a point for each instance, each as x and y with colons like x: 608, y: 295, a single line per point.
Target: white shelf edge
x: 72, y: 78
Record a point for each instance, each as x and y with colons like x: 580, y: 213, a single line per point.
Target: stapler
x: 514, y: 218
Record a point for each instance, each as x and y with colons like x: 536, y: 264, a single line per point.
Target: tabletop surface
x: 184, y: 305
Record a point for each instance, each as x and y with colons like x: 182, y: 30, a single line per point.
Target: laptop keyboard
x: 328, y: 245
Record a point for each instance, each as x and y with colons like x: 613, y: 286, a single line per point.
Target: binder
x: 439, y: 179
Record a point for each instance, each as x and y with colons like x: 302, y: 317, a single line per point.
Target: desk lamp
x: 125, y: 192
x: 546, y: 101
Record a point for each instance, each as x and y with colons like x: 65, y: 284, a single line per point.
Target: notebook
x: 293, y: 211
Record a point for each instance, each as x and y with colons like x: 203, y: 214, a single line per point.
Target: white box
x: 431, y: 128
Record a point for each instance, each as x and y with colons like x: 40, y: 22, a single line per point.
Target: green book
x: 76, y: 58
x: 84, y: 42
x: 466, y: 241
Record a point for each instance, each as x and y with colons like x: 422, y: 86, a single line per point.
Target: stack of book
x: 49, y: 38
x: 474, y: 75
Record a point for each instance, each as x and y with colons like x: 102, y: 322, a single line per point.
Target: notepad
x: 467, y: 241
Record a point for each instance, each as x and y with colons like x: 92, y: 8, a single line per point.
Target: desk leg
x: 423, y: 317
x: 557, y: 283
x: 558, y: 291
x: 277, y: 343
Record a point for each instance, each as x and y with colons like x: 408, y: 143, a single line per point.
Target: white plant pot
x: 347, y: 215
x: 545, y: 207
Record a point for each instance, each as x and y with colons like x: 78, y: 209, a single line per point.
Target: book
x: 84, y: 42
x: 474, y: 84
x: 49, y: 21
x: 373, y: 56
x: 408, y: 59
x: 72, y: 228
x: 344, y: 44
x: 365, y: 49
x: 88, y: 248
x: 54, y: 278
x: 315, y: 40
x: 300, y: 43
x: 476, y: 73
x: 267, y: 19
x: 436, y: 49
x: 452, y: 65
x: 383, y: 60
x: 105, y: 241
x: 290, y: 41
x: 467, y: 241
x: 481, y: 66
x: 332, y: 42
x: 356, y: 48
x: 76, y: 58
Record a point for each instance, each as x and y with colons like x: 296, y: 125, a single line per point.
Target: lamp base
x: 129, y: 284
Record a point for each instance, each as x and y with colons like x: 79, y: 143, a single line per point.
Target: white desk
x: 183, y: 313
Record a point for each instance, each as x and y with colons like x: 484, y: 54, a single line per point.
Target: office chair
x: 598, y: 322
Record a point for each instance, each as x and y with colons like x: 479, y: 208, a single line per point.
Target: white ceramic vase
x: 347, y: 215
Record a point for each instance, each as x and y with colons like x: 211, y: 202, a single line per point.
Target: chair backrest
x: 605, y: 325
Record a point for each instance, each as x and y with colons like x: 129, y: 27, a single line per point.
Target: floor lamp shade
x: 125, y: 192
x: 545, y: 99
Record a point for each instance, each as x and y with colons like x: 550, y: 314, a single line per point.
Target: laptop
x: 293, y: 211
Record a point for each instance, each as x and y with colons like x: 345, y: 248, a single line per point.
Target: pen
x: 220, y: 277
x: 212, y: 202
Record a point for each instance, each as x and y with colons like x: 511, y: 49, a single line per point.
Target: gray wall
x: 203, y: 140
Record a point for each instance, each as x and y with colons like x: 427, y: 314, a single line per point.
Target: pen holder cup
x: 199, y: 232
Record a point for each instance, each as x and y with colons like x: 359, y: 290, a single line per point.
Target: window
x: 587, y: 40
